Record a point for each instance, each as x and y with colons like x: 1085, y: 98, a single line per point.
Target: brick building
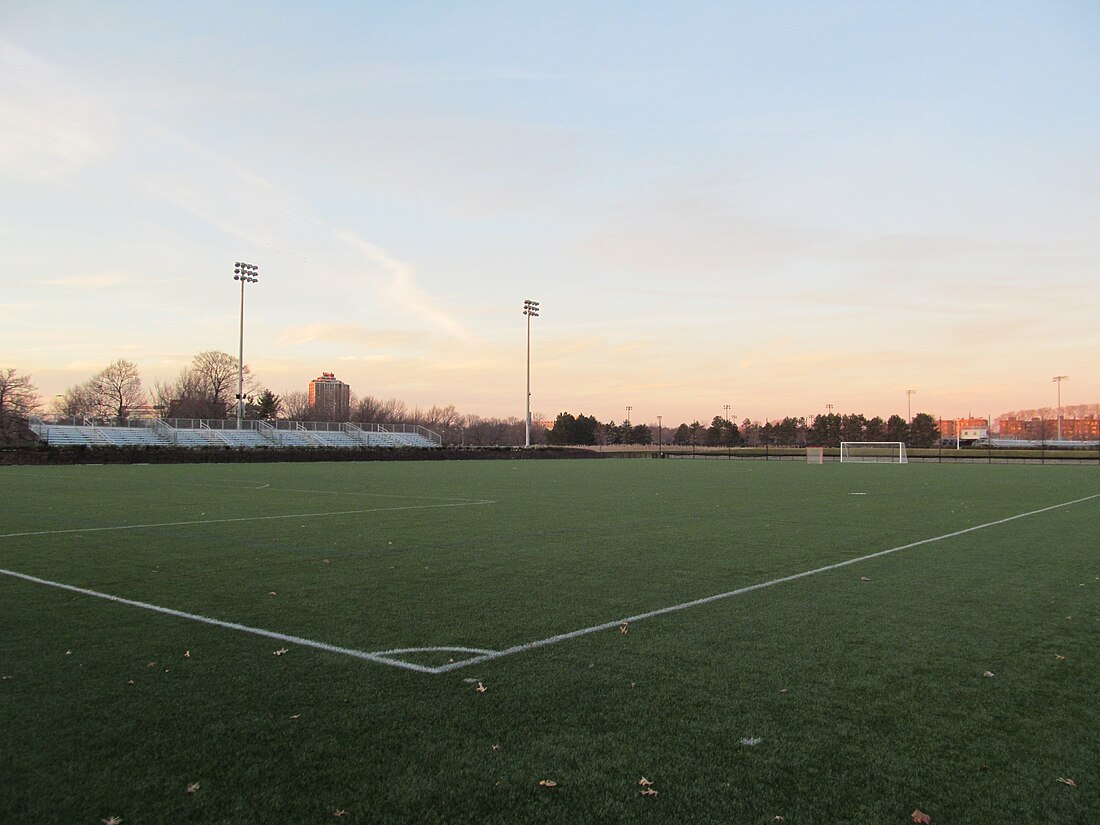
x: 329, y: 397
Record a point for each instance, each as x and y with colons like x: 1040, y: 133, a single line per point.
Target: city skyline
x: 775, y: 209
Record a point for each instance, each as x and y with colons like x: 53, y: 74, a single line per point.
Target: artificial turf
x: 856, y: 695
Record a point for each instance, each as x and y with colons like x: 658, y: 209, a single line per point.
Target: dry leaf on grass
x: 1059, y: 657
x: 624, y: 628
x: 281, y: 651
x: 340, y: 812
x: 192, y: 787
x: 130, y: 682
x: 1065, y: 780
x: 480, y: 688
x: 778, y: 818
x: 296, y: 716
x: 187, y: 654
x: 864, y: 579
x: 647, y: 792
x: 989, y: 674
x: 495, y: 747
x: 112, y: 820
x: 921, y: 817
x: 645, y: 783
x: 548, y: 783
x: 272, y: 593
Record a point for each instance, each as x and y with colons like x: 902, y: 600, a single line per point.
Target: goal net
x: 873, y: 452
x: 815, y: 455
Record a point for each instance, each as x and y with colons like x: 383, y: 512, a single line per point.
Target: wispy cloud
x: 48, y: 128
x: 91, y: 282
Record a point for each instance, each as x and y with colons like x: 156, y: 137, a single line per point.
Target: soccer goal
x: 873, y: 452
x: 815, y: 455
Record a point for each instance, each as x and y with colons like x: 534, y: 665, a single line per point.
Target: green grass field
x: 853, y: 695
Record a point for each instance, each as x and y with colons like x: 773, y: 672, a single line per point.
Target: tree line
x: 822, y: 431
x: 207, y: 388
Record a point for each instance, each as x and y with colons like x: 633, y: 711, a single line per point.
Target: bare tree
x: 207, y: 388
x: 117, y: 388
x: 18, y: 401
x: 296, y: 405
x: 76, y: 402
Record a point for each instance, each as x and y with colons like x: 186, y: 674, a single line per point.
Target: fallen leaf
x: 1059, y: 657
x: 70, y: 653
x: 326, y: 561
x: 644, y: 782
x: 778, y: 818
x: 281, y: 651
x: 495, y: 747
x: 548, y: 783
x: 989, y: 674
x: 648, y: 792
x: 112, y: 820
x: 340, y: 812
x: 130, y: 682
x: 187, y: 654
x: 624, y: 628
x: 296, y: 716
x: 1065, y: 780
x: 921, y: 817
x: 192, y: 787
x: 151, y: 664
x: 272, y: 593
x: 864, y: 579
x: 783, y: 690
x: 480, y: 688
x: 4, y: 678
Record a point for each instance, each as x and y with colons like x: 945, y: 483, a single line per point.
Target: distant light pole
x: 1058, y: 379
x: 829, y: 407
x: 246, y: 274
x: 628, y: 409
x: 531, y: 310
x: 658, y: 436
x: 909, y: 399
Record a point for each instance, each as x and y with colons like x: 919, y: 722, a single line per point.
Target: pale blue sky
x: 770, y: 205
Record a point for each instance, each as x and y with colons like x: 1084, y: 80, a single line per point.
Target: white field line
x: 563, y: 637
x: 489, y: 655
x: 241, y: 628
x: 239, y: 518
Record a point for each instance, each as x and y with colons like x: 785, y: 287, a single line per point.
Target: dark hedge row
x: 217, y: 455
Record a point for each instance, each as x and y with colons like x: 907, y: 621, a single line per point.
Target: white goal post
x: 873, y: 452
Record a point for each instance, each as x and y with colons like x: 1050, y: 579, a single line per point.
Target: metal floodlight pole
x: 659, y: 421
x: 531, y: 310
x: 1058, y: 379
x: 909, y: 399
x: 628, y: 409
x: 246, y: 274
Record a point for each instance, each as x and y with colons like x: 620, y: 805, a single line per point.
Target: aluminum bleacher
x: 218, y: 433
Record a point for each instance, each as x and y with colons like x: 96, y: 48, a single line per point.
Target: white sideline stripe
x: 239, y: 518
x: 255, y: 631
x: 563, y: 637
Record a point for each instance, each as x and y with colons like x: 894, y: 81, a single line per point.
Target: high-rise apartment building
x: 329, y: 397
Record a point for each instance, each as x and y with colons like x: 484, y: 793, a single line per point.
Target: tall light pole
x: 531, y: 310
x: 1058, y: 379
x: 909, y: 400
x: 659, y: 436
x: 628, y: 409
x: 246, y: 274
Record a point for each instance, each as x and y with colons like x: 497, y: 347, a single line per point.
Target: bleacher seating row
x: 160, y: 434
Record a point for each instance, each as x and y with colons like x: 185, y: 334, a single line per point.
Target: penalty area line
x: 240, y: 628
x: 584, y: 631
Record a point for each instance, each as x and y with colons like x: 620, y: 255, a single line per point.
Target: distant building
x: 1074, y: 429
x: 966, y: 429
x: 329, y: 397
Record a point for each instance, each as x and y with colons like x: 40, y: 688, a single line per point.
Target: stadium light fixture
x: 246, y: 274
x: 531, y: 310
x: 1058, y: 379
